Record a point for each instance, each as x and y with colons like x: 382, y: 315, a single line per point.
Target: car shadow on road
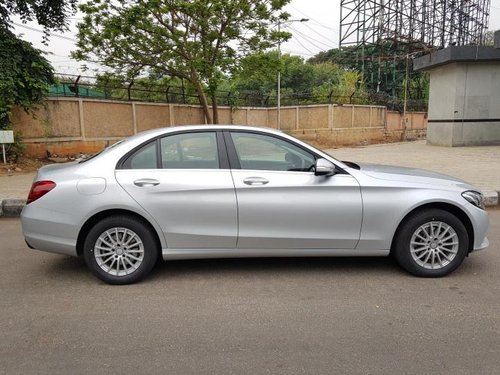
x: 70, y: 268
x: 274, y: 266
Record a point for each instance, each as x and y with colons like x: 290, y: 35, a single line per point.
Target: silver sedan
x: 234, y: 191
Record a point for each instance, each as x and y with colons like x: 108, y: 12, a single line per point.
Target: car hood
x: 412, y: 175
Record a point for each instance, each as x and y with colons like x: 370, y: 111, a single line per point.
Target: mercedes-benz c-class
x: 234, y: 191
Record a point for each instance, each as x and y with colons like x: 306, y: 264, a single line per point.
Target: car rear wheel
x: 120, y: 250
x: 431, y: 243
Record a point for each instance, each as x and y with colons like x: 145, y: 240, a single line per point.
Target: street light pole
x: 279, y: 75
x: 279, y: 66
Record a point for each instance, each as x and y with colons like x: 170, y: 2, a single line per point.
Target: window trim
x: 220, y: 144
x: 234, y: 160
x: 222, y: 151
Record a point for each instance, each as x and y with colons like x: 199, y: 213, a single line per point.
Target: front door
x: 282, y: 204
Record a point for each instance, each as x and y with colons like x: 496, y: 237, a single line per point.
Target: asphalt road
x: 283, y: 316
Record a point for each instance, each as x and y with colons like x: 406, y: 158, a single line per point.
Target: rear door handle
x: 255, y: 181
x: 142, y: 182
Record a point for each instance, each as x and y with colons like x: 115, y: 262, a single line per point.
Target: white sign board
x: 6, y: 136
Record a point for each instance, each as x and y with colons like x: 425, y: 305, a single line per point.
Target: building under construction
x: 383, y: 35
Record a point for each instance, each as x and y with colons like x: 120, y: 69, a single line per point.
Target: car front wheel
x: 431, y: 243
x: 120, y: 250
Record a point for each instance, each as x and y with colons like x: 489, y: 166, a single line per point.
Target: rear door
x: 183, y: 180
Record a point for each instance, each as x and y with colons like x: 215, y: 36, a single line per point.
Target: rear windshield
x: 100, y: 152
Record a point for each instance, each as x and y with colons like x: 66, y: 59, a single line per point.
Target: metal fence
x: 91, y: 87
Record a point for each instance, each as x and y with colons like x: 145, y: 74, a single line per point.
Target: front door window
x: 263, y: 152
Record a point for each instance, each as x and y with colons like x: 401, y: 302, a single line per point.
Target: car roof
x: 144, y: 135
x: 140, y: 137
x: 170, y: 129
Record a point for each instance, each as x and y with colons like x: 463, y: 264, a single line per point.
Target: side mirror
x: 324, y: 168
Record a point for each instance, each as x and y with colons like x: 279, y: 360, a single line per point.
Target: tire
x: 431, y: 243
x: 120, y: 250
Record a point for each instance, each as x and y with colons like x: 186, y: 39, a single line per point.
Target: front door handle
x: 255, y: 181
x: 146, y: 182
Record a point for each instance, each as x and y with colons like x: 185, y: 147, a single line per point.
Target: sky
x: 320, y: 33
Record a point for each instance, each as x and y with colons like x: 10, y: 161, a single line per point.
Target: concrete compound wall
x: 72, y: 125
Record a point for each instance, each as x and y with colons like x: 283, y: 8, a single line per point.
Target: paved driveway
x: 279, y: 316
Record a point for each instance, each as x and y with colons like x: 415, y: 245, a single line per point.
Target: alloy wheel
x: 119, y: 251
x: 434, y: 245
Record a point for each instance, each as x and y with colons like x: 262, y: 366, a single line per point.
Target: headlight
x: 474, y: 197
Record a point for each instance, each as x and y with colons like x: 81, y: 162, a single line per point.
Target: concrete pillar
x: 171, y: 114
x: 297, y: 117
x: 134, y: 118
x: 81, y: 118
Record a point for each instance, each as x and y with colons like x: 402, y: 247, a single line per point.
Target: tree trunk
x: 215, y: 109
x: 204, y: 102
x: 201, y: 93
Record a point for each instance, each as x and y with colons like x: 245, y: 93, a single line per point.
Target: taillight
x: 39, y: 189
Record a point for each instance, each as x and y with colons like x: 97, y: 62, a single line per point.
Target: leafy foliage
x: 198, y: 41
x: 301, y: 82
x: 382, y: 68
x: 25, y: 72
x: 51, y: 14
x: 333, y: 76
x: 25, y: 78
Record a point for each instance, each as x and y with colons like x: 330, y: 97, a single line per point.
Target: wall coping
x: 454, y: 54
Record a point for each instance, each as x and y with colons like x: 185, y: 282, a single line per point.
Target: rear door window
x: 190, y: 151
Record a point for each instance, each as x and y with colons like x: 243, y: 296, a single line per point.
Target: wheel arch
x: 91, y: 221
x: 452, y: 209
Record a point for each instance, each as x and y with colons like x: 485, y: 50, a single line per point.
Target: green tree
x: 257, y: 73
x: 199, y: 41
x: 25, y: 78
x: 382, y: 67
x: 25, y: 72
x: 51, y: 14
x: 299, y: 79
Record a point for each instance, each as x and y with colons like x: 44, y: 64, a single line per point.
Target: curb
x: 13, y: 207
x: 491, y: 198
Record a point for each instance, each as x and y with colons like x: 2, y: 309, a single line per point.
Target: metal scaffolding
x: 430, y: 23
x: 381, y: 35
